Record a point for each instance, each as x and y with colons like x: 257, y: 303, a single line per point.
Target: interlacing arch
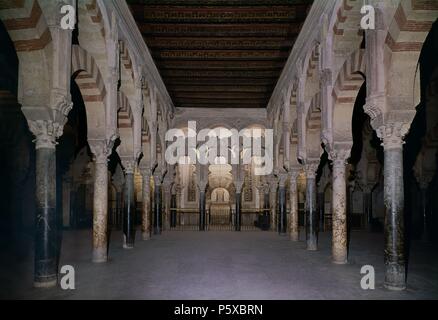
x: 125, y: 117
x: 346, y: 26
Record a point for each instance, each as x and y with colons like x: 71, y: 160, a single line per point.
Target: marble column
x: 146, y: 204
x: 166, y: 201
x: 129, y: 205
x: 311, y: 210
x: 339, y: 212
x: 157, y: 205
x: 394, y: 253
x: 368, y: 205
x: 202, y: 214
x: 101, y: 150
x: 46, y: 231
x: 173, y: 203
x: 293, y: 189
x: 321, y: 209
x: 282, y: 221
x: 238, y: 216
x: 273, y: 201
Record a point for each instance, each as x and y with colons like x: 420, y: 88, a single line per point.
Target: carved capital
x: 282, y: 180
x: 202, y: 185
x: 62, y: 105
x: 158, y: 179
x: 375, y: 105
x: 273, y: 184
x: 101, y: 149
x: 339, y: 156
x: 46, y: 132
x: 129, y: 165
x: 392, y: 135
x: 310, y: 169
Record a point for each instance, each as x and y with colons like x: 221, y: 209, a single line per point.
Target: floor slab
x: 226, y: 265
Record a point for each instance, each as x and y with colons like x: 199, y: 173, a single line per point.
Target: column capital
x: 158, y: 179
x: 273, y: 184
x: 202, y: 185
x: 340, y: 155
x: 282, y: 178
x: 145, y: 171
x: 46, y: 133
x: 392, y: 134
x: 310, y: 169
x: 129, y: 165
x: 101, y: 149
x: 239, y: 185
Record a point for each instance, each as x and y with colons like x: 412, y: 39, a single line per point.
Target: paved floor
x: 225, y: 265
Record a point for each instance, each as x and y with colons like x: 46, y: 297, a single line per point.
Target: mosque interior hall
x: 218, y: 149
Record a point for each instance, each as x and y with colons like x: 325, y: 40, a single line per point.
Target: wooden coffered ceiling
x: 220, y: 53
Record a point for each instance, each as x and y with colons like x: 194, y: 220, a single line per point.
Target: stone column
x: 368, y: 205
x: 166, y: 201
x: 129, y: 205
x: 101, y: 150
x: 238, y: 217
x: 146, y: 204
x: 423, y: 182
x: 173, y: 204
x: 293, y: 189
x: 394, y: 254
x: 282, y: 221
x: 46, y: 230
x: 339, y: 212
x: 202, y: 185
x: 273, y: 201
x: 321, y: 209
x: 157, y: 204
x: 311, y: 211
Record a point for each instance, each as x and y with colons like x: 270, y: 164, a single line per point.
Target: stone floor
x: 224, y: 265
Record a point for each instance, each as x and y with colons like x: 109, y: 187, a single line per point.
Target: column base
x: 127, y: 245
x: 294, y: 237
x: 340, y: 261
x: 99, y: 256
x: 395, y: 276
x: 45, y: 284
x: 394, y: 288
x: 312, y: 244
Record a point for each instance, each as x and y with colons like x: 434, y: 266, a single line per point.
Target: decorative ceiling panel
x: 220, y: 53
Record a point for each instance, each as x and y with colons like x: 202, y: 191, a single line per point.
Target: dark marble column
x: 311, y: 210
x: 157, y: 205
x: 129, y: 206
x: 282, y: 218
x: 282, y: 206
x: 202, y: 215
x: 424, y: 184
x: 368, y: 202
x: 173, y: 211
x: 321, y: 210
x: 46, y: 232
x: 394, y: 253
x: 238, y: 216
